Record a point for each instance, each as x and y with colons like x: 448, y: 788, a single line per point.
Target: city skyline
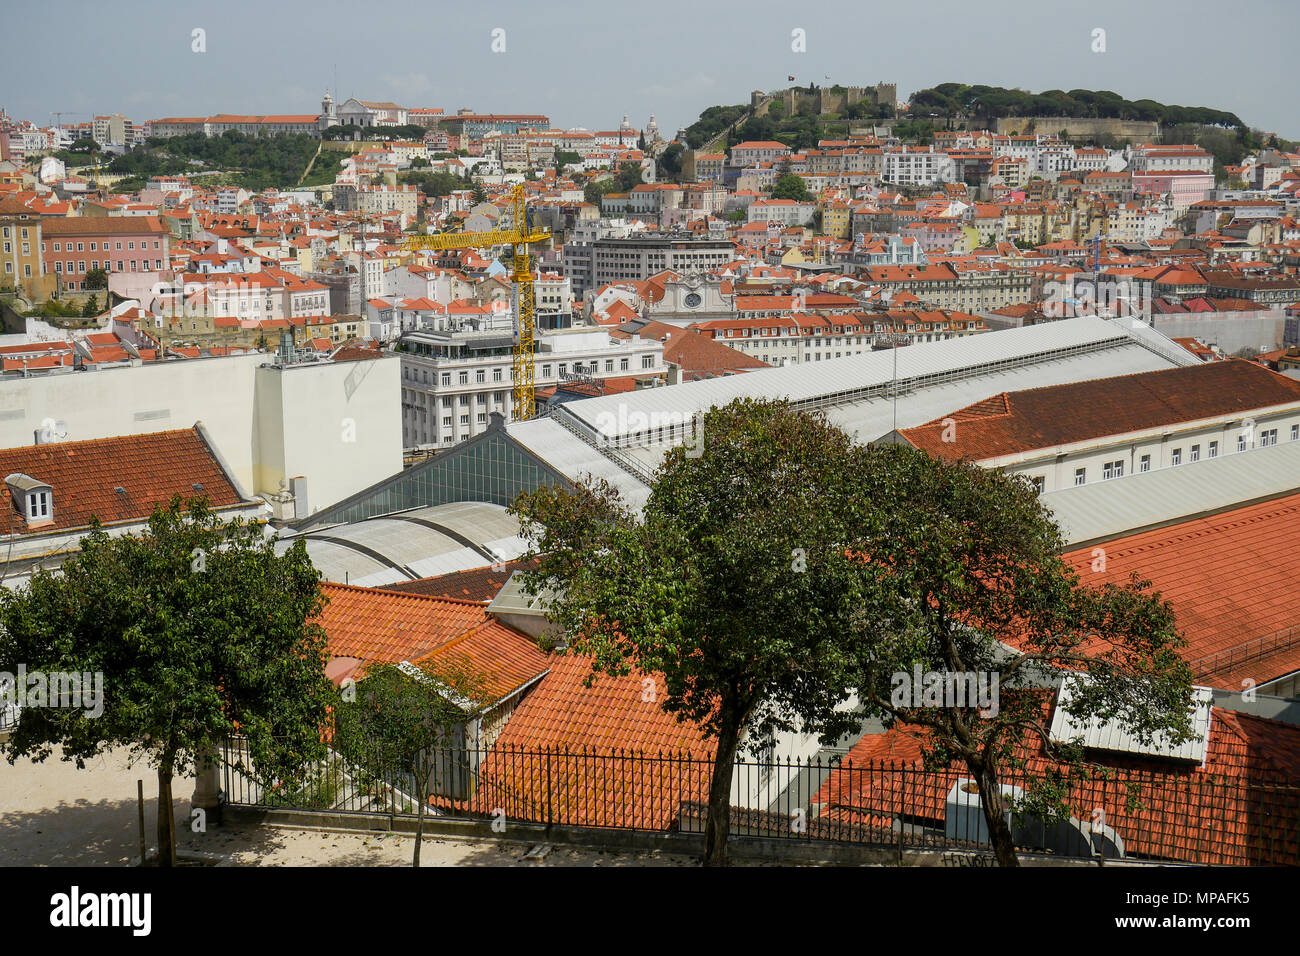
x: 520, y: 64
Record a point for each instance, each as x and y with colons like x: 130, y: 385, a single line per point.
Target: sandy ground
x: 52, y: 814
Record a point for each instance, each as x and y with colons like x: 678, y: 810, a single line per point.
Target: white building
x: 917, y: 167
x: 333, y: 424
x: 453, y: 381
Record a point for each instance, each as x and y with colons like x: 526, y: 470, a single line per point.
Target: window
x: 463, y: 401
x: 1144, y: 463
x: 647, y: 361
x: 1295, y: 432
x: 622, y: 365
x: 38, y: 504
x: 1177, y: 457
x: 496, y: 374
x: 546, y: 371
x: 1195, y: 453
x: 464, y: 419
x: 1080, y: 476
x: 1241, y: 443
x: 1040, y: 483
x: 609, y: 365
x: 463, y: 378
x: 1112, y: 469
x: 1214, y: 450
x: 446, y: 421
x: 446, y: 378
x: 1268, y: 438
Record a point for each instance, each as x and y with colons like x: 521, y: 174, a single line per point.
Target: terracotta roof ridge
x: 404, y: 594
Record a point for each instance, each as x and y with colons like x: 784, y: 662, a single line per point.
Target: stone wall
x: 1135, y: 130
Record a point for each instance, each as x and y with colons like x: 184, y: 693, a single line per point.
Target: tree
x: 749, y: 644
x: 978, y: 561
x: 628, y: 177
x: 200, y: 630
x: 479, y: 194
x: 91, y: 308
x: 407, y: 725
x: 808, y: 570
x: 670, y: 162
x: 96, y: 279
x: 791, y: 186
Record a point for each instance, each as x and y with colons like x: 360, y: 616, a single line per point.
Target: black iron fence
x: 1185, y: 816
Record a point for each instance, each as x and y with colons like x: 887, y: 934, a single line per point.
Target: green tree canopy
x: 747, y: 644
x: 808, y: 570
x: 791, y: 186
x: 200, y: 630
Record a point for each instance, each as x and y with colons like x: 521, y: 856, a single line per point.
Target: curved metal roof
x: 412, y: 544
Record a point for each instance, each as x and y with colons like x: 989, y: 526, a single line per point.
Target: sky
x: 586, y: 63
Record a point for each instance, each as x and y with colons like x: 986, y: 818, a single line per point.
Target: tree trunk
x: 166, y: 816
x: 717, y: 824
x: 1004, y: 844
x: 419, y: 831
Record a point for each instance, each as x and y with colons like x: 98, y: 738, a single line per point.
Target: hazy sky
x: 587, y: 63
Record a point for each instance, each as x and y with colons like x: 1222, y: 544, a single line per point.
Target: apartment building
x: 914, y: 166
x: 21, y: 264
x: 753, y: 152
x: 73, y: 246
x: 593, y: 264
x: 800, y: 338
x: 783, y: 212
x: 453, y: 380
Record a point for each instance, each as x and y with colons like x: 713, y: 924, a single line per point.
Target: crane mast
x: 520, y: 237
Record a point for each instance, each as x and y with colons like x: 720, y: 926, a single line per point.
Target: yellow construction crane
x: 521, y: 236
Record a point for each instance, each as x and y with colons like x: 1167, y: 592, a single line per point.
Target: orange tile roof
x: 1231, y: 578
x: 379, y: 626
x: 1037, y: 418
x: 619, y: 755
x: 151, y: 468
x: 1192, y: 813
x: 480, y: 585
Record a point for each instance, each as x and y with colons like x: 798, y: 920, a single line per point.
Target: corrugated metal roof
x: 574, y: 458
x: 1112, y: 736
x: 836, y: 380
x: 424, y: 541
x: 1118, y: 506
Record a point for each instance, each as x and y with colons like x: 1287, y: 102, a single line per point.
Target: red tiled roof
x: 1057, y: 415
x: 1185, y: 812
x: 612, y: 739
x: 151, y: 468
x: 378, y: 626
x: 477, y: 584
x: 1232, y: 580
